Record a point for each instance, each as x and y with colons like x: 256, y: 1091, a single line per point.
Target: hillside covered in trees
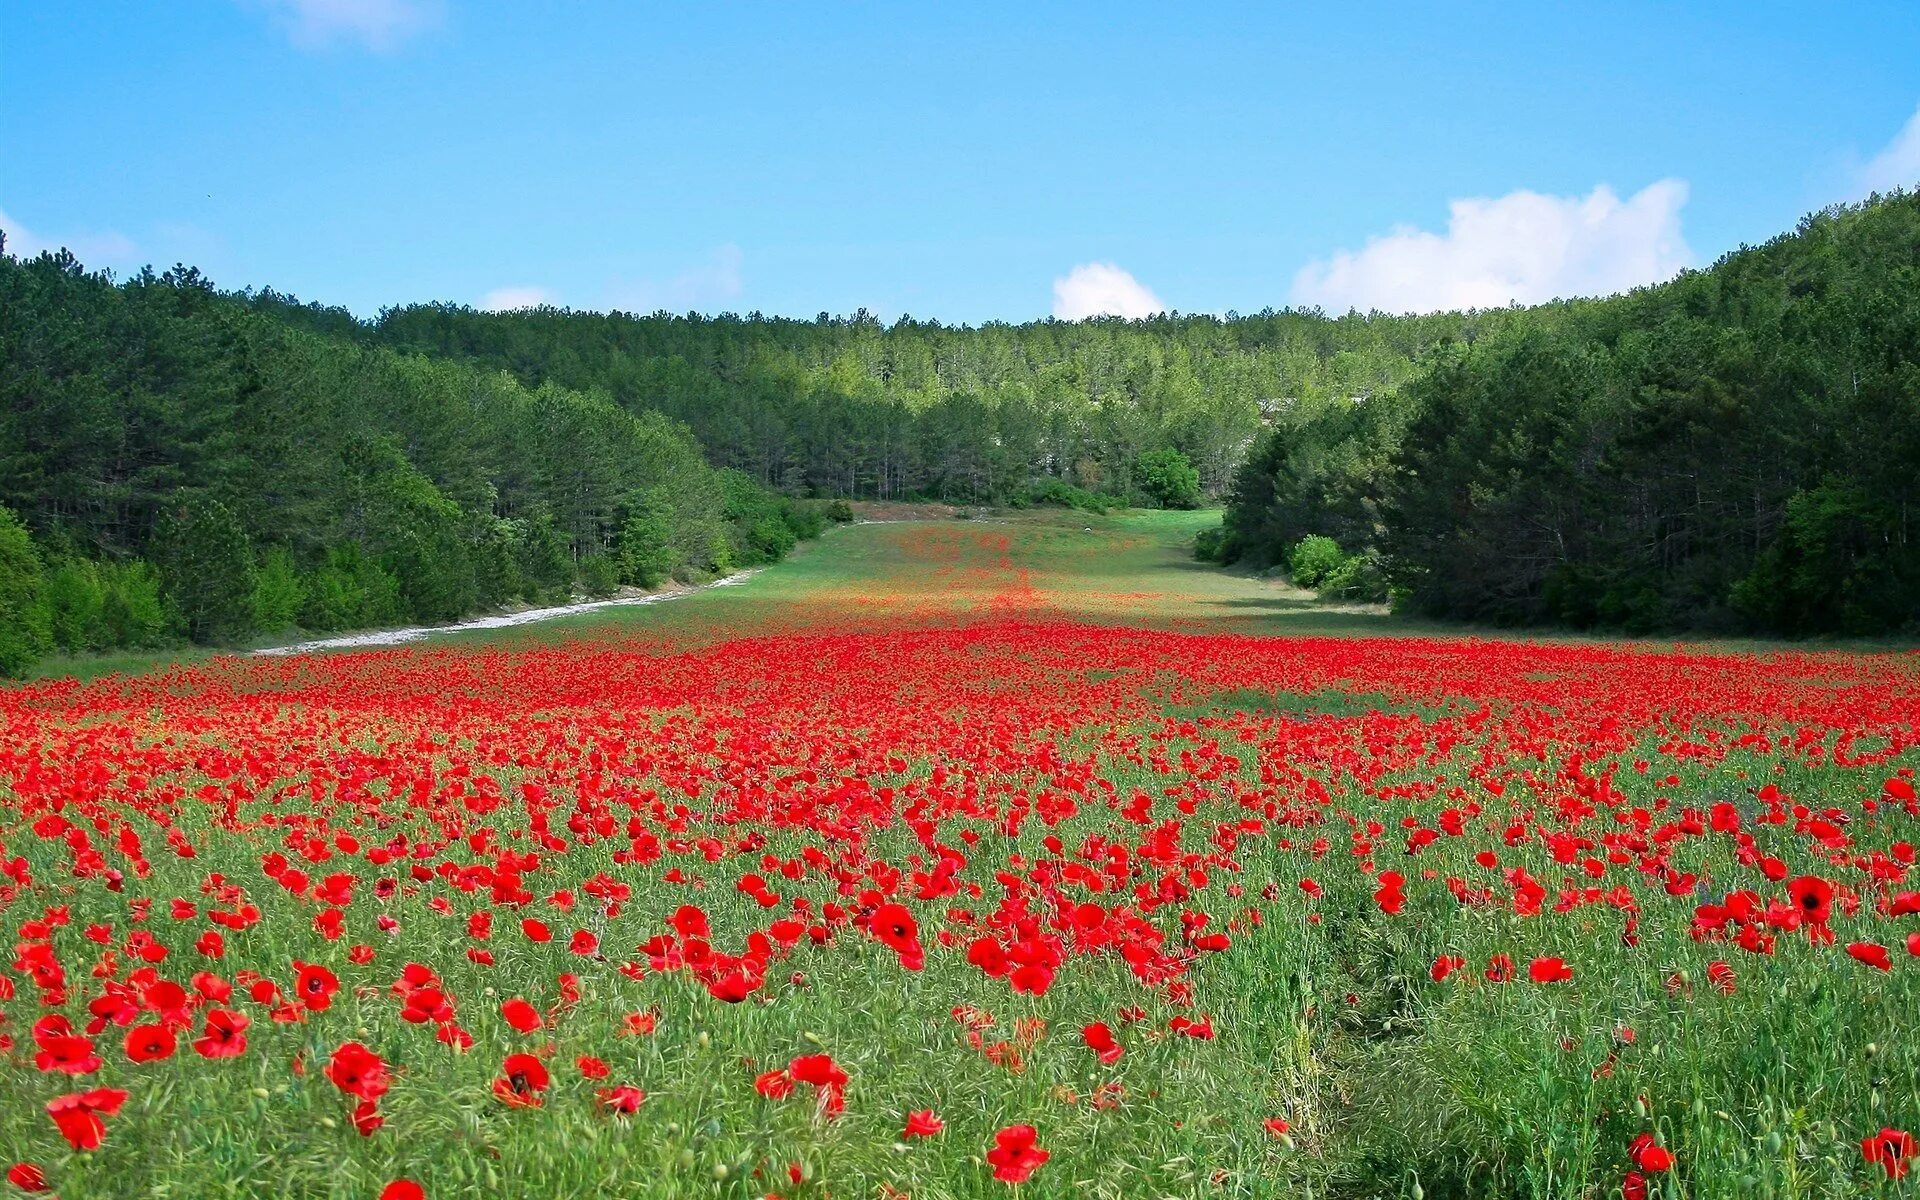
x: 1738, y: 449
x: 174, y: 463
x: 847, y: 406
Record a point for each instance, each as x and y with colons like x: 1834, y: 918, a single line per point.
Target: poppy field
x: 977, y: 892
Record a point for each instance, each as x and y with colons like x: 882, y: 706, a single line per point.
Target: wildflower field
x: 966, y: 859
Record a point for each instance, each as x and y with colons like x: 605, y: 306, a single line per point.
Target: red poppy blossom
x: 358, y: 1072
x: 1871, y: 953
x: 78, y: 1115
x: 149, y: 1043
x: 522, y: 1078
x: 624, y: 1100
x: 922, y: 1123
x: 1649, y: 1155
x: 520, y: 1014
x: 1889, y: 1150
x: 27, y: 1177
x: 314, y: 985
x: 1016, y: 1153
x: 1100, y: 1040
x: 1549, y: 969
x: 1812, y: 898
x: 224, y: 1035
x: 403, y: 1189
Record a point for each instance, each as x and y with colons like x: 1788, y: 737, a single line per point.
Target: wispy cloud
x: 1522, y: 247
x: 1896, y: 166
x: 105, y: 248
x: 378, y: 25
x: 702, y: 287
x: 507, y: 299
x: 1102, y: 289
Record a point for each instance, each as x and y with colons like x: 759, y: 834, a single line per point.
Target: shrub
x: 23, y: 634
x: 839, y: 511
x: 599, y: 577
x: 1168, y: 479
x: 206, y: 562
x: 1312, y: 559
x: 1066, y: 495
x: 278, y: 593
x: 132, y: 612
x: 1209, y: 545
x: 1357, y: 577
x: 71, y: 599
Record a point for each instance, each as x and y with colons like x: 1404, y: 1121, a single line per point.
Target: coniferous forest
x: 1735, y: 450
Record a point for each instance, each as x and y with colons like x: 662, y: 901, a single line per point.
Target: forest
x: 175, y: 464
x: 181, y: 462
x: 1732, y: 451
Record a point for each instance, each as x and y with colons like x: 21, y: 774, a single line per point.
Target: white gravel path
x: 394, y: 637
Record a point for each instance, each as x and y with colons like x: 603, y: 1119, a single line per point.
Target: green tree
x: 23, y: 634
x: 206, y: 562
x: 1168, y: 479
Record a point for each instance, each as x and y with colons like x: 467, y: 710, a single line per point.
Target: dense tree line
x: 175, y: 462
x: 1736, y: 449
x: 916, y: 409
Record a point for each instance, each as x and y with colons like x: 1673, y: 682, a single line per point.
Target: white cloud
x: 1522, y: 247
x: 1897, y: 166
x: 378, y: 25
x: 1100, y: 289
x: 94, y: 250
x: 701, y: 287
x: 506, y: 299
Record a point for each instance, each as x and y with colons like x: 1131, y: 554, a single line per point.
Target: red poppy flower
x: 774, y: 1085
x: 27, y: 1177
x: 1871, y: 953
x: 1499, y: 968
x: 1889, y: 1150
x: 522, y: 1078
x: 1650, y: 1155
x: 591, y: 1067
x: 1277, y: 1126
x: 78, y: 1115
x: 314, y: 985
x: 1549, y: 969
x: 358, y: 1072
x: 624, y: 1100
x: 922, y: 1123
x: 1016, y: 1153
x: 1444, y: 966
x: 224, y: 1035
x: 149, y: 1043
x: 896, y: 929
x: 521, y: 1015
x: 817, y: 1069
x: 1812, y: 897
x: 1100, y: 1040
x: 403, y: 1189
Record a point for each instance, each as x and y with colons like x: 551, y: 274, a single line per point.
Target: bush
x: 1358, y: 577
x: 278, y: 593
x: 805, y: 520
x: 599, y: 577
x: 1168, y: 479
x: 350, y: 591
x: 132, y: 613
x: 1216, y: 546
x: 1065, y: 495
x: 23, y: 634
x: 1312, y: 559
x: 71, y: 599
x: 839, y: 512
x: 206, y: 562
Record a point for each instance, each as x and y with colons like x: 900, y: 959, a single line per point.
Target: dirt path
x: 394, y: 637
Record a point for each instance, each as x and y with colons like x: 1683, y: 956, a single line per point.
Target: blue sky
x: 974, y: 163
